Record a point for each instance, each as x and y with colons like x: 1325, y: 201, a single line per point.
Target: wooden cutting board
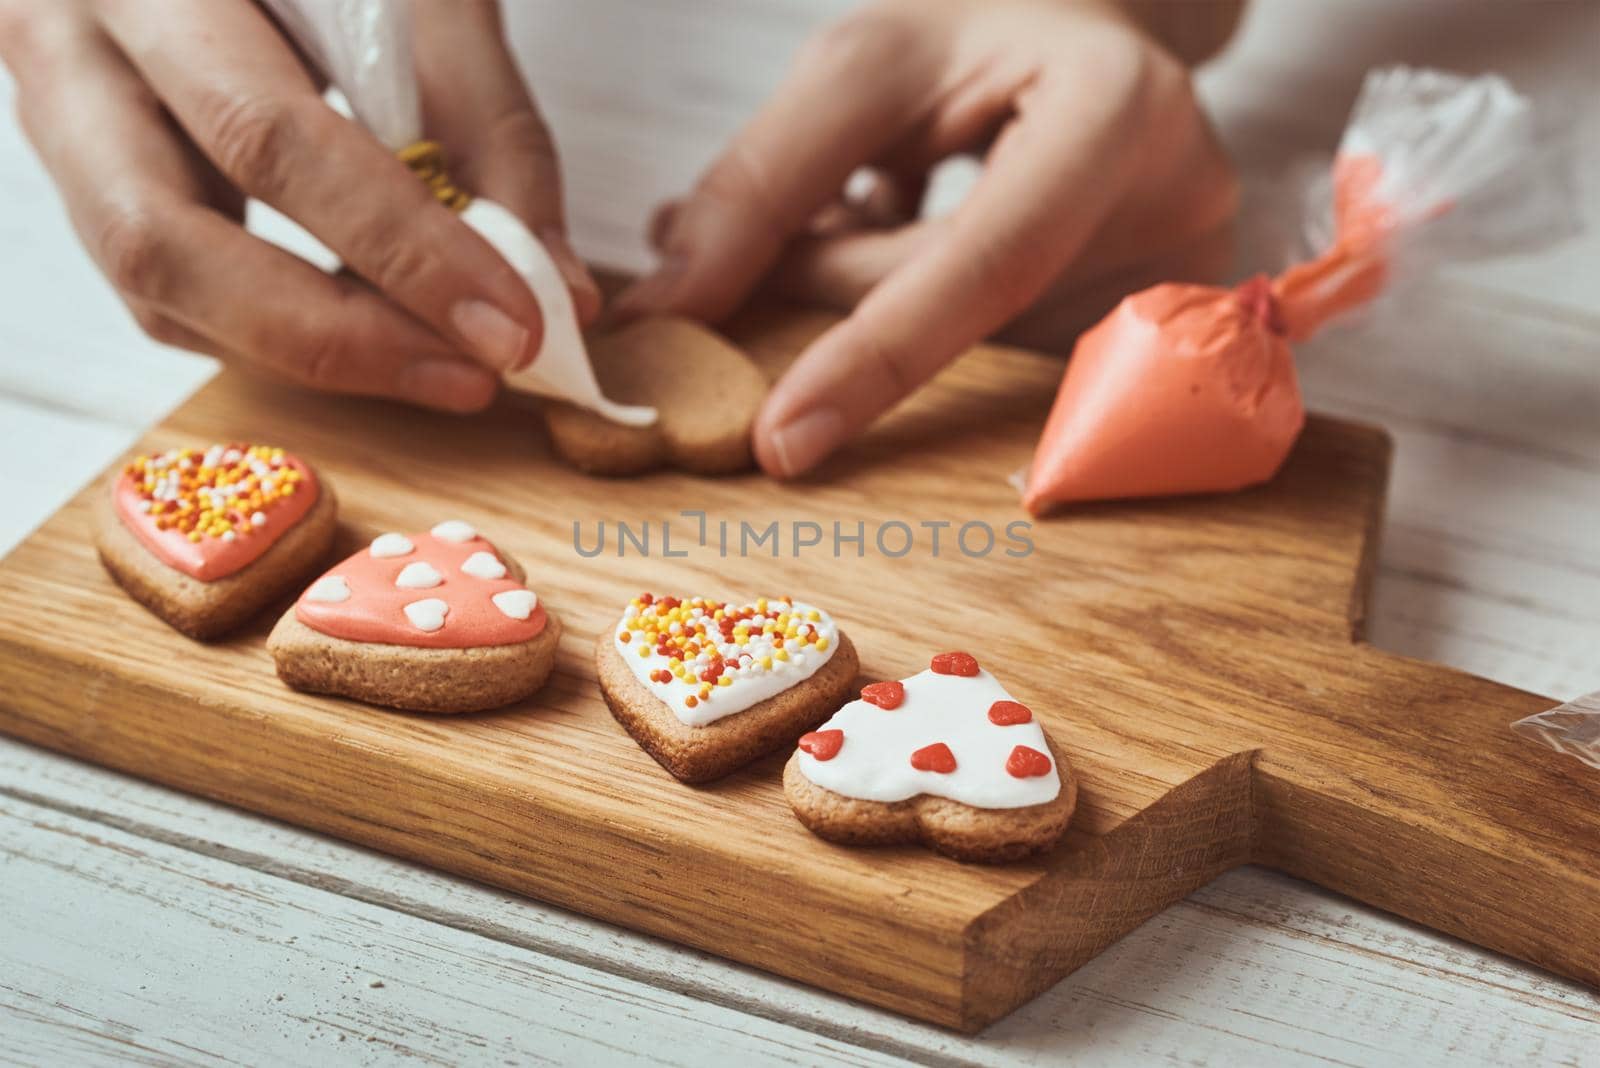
x: 1199, y: 661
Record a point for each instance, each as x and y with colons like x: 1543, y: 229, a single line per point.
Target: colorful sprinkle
x: 936, y: 757
x: 1009, y: 713
x: 886, y: 695
x: 823, y: 745
x: 964, y: 664
x: 1026, y: 763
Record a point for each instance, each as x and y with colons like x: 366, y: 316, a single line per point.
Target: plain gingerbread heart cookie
x: 206, y: 538
x: 947, y: 758
x: 706, y: 394
x: 435, y: 622
x: 705, y: 687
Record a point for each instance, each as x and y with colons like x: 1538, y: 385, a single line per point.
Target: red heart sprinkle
x: 1009, y: 713
x: 1026, y: 763
x: 935, y: 757
x: 955, y: 664
x: 886, y: 695
x: 824, y: 745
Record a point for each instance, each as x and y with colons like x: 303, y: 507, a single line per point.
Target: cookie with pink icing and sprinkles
x: 706, y: 686
x: 206, y: 536
x: 947, y: 757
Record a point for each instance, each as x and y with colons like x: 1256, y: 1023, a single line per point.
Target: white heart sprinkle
x: 427, y: 614
x: 484, y: 566
x: 454, y: 530
x: 418, y: 576
x: 329, y: 589
x: 516, y: 604
x: 386, y: 545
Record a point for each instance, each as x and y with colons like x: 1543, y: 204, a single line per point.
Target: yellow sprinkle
x: 822, y: 643
x: 761, y: 606
x: 724, y: 681
x: 814, y: 615
x: 644, y: 651
x: 194, y: 535
x: 781, y: 654
x: 766, y: 663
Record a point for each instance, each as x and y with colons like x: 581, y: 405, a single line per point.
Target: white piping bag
x: 365, y: 49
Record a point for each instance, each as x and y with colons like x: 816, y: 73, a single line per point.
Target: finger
x: 837, y: 269
x: 328, y: 332
x: 791, y: 159
x: 245, y: 100
x: 193, y: 277
x: 477, y: 105
x: 1050, y: 179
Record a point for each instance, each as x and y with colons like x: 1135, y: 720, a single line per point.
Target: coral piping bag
x: 1187, y: 389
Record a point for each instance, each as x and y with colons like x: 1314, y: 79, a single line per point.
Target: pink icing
x: 375, y: 610
x: 212, y: 558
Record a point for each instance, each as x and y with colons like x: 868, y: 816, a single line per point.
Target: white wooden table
x: 137, y: 924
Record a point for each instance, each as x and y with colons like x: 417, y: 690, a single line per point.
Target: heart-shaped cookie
x: 706, y: 394
x: 206, y: 537
x: 706, y: 686
x: 431, y: 622
x: 946, y: 757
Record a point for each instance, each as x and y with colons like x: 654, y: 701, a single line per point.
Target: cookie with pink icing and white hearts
x: 946, y: 757
x: 431, y: 622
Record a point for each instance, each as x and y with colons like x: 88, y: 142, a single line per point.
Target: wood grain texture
x: 1198, y: 653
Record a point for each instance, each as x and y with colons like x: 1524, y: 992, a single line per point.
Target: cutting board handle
x: 1415, y: 796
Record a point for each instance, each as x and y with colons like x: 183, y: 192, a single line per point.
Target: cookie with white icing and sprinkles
x: 946, y: 757
x: 706, y: 686
x: 207, y: 537
x: 433, y: 622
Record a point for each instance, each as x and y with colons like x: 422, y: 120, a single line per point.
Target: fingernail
x: 652, y: 293
x: 801, y: 443
x: 447, y: 384
x: 492, y: 335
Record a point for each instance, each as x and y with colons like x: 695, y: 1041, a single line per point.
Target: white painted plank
x: 133, y: 950
x: 1255, y: 968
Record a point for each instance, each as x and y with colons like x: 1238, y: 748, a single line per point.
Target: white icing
x: 329, y: 589
x: 562, y: 368
x: 484, y: 566
x: 516, y: 604
x: 388, y: 545
x: 874, y: 764
x: 418, y: 575
x: 427, y: 614
x: 750, y: 684
x: 454, y: 530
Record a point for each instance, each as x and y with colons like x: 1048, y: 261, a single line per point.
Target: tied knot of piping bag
x: 1256, y: 299
x: 425, y: 159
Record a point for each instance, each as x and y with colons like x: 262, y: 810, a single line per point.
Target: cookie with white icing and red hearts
x: 707, y: 686
x: 705, y: 392
x: 207, y: 537
x: 432, y: 622
x: 946, y: 757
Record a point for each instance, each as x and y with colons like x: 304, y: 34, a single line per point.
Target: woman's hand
x: 1101, y: 175
x: 157, y: 118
